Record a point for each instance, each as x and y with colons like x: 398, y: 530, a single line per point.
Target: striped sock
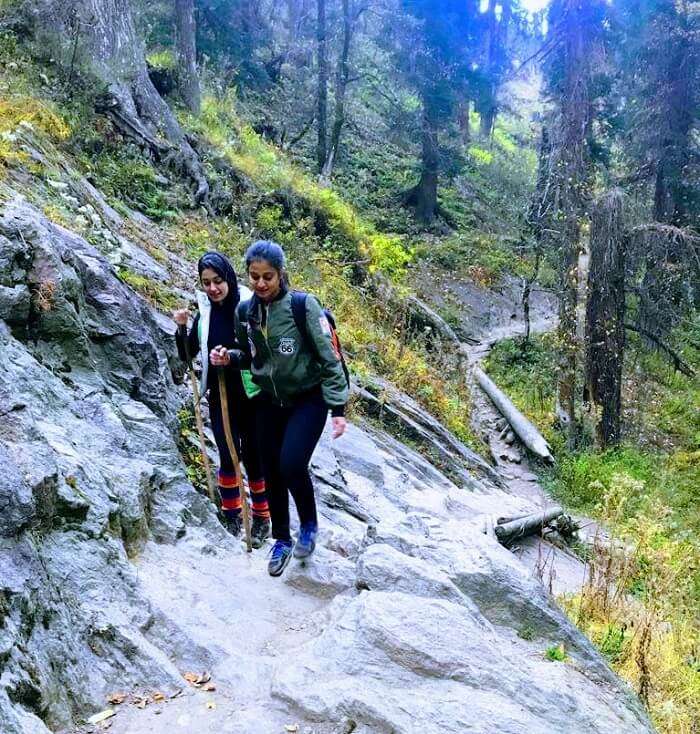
x: 259, y: 498
x: 230, y: 494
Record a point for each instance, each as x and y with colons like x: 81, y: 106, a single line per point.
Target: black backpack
x: 299, y: 314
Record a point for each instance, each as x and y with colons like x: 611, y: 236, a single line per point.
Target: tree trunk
x: 424, y: 195
x: 525, y: 430
x: 187, y: 77
x: 527, y: 290
x: 487, y: 120
x: 341, y: 84
x: 322, y: 94
x: 496, y: 63
x: 605, y: 318
x: 108, y: 48
x: 569, y: 183
x: 463, y: 121
x: 568, y: 343
x: 675, y: 103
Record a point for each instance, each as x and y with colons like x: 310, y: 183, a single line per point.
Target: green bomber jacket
x: 284, y: 362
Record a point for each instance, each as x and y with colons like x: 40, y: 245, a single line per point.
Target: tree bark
x: 322, y: 93
x: 110, y: 50
x: 187, y: 77
x: 568, y: 343
x: 521, y: 527
x: 525, y: 430
x: 569, y: 184
x: 463, y: 121
x: 675, y: 101
x: 424, y: 195
x: 341, y: 84
x: 605, y: 318
x: 496, y: 64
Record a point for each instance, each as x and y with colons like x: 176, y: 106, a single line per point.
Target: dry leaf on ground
x: 196, y: 679
x: 96, y: 718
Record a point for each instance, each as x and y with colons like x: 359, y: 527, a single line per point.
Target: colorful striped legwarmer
x: 230, y: 494
x: 259, y: 498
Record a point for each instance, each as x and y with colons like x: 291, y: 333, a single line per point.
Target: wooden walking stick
x: 211, y: 487
x: 234, y: 455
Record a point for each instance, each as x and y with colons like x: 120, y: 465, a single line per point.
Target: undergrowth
x: 332, y: 252
x: 641, y: 602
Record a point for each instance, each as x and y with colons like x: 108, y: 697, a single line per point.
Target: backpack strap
x: 299, y: 313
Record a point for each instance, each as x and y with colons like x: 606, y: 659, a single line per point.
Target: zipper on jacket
x: 267, y: 344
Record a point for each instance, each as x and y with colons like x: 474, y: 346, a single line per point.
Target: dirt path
x: 560, y: 571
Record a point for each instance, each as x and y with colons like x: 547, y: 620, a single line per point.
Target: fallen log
x: 524, y: 429
x: 509, y: 532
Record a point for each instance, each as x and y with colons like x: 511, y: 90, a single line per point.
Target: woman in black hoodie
x: 213, y: 326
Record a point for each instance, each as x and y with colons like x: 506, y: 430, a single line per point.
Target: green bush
x: 126, y: 177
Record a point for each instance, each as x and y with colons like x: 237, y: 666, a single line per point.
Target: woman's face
x: 264, y: 279
x: 214, y: 285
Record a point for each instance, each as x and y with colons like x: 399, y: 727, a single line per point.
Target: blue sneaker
x: 280, y: 556
x: 306, y: 542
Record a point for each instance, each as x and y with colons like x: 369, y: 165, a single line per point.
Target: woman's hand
x: 339, y: 426
x: 219, y: 357
x: 181, y: 316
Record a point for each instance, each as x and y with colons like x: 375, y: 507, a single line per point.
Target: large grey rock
x: 116, y: 575
x: 434, y: 666
x: 485, y: 312
x: 90, y: 473
x: 383, y: 568
x: 400, y: 412
x: 82, y: 316
x: 14, y: 304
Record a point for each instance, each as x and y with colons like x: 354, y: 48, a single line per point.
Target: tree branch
x: 678, y: 363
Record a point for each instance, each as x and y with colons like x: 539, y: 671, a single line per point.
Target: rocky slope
x: 116, y: 576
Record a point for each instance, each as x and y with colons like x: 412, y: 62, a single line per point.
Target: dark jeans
x: 288, y: 437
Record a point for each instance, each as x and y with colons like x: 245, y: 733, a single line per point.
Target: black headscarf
x: 222, y: 267
x: 221, y: 326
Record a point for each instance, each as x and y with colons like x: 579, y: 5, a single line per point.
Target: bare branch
x: 678, y: 363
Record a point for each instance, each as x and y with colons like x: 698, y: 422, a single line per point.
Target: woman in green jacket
x: 294, y: 360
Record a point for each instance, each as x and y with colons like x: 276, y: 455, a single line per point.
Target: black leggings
x: 242, y: 416
x: 288, y: 437
x: 242, y: 412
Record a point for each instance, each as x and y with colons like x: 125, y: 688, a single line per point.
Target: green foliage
x: 188, y: 441
x: 647, y: 495
x: 340, y: 231
x: 125, y: 176
x: 612, y: 642
x: 158, y: 294
x: 556, y: 653
x: 480, y: 156
x: 582, y: 478
x: 527, y: 375
x: 163, y: 59
x: 20, y: 111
